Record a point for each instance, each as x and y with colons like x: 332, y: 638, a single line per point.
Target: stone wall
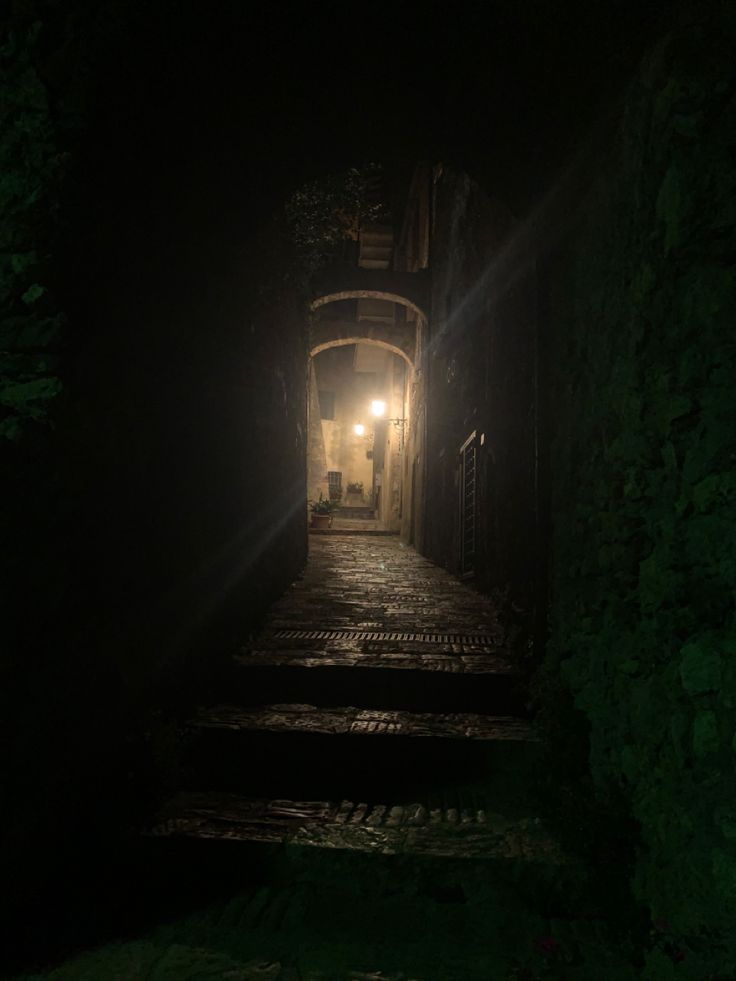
x: 592, y: 347
x: 479, y: 361
x: 639, y: 337
x: 316, y: 458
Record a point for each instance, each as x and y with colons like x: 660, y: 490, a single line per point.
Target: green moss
x: 705, y: 732
x: 724, y: 873
x: 700, y: 668
x: 32, y: 165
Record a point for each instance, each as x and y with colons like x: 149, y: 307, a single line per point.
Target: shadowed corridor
x: 367, y: 441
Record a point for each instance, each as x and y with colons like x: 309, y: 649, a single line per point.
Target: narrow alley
x: 367, y: 440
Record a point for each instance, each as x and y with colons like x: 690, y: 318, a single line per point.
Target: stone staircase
x: 363, y: 780
x: 335, y: 736
x: 376, y: 247
x: 391, y: 781
x: 376, y: 251
x: 360, y: 512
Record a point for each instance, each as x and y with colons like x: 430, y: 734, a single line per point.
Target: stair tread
x: 417, y: 828
x: 351, y: 721
x: 350, y: 656
x: 376, y: 250
x: 375, y: 236
x: 373, y: 263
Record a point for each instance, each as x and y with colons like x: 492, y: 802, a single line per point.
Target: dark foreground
x: 363, y: 795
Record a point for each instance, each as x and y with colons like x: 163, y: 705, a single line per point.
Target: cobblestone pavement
x: 378, y: 583
x: 362, y: 525
x: 373, y: 602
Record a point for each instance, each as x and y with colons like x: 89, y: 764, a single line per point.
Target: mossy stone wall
x: 643, y: 474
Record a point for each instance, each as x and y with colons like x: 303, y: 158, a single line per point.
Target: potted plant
x: 322, y: 512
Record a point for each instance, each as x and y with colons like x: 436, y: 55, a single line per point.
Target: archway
x: 359, y: 426
x: 367, y: 307
x: 368, y: 294
x: 379, y: 315
x: 362, y: 339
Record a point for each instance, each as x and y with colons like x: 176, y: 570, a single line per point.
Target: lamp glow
x: 359, y: 429
x: 378, y: 407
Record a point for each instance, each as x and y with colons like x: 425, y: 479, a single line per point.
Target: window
x: 334, y: 482
x: 327, y: 405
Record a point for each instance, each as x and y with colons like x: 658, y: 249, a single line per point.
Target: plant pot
x: 321, y: 521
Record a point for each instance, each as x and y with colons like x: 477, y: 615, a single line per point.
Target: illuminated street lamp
x: 359, y: 429
x: 378, y: 408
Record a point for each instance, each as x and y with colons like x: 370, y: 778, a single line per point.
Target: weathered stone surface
x: 366, y: 604
x: 374, y: 582
x: 388, y: 829
x: 345, y: 281
x: 364, y: 722
x: 399, y: 660
x: 398, y: 337
x: 355, y: 526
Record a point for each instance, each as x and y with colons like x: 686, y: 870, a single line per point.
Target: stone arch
x: 399, y: 338
x: 361, y: 294
x: 343, y: 341
x: 340, y: 282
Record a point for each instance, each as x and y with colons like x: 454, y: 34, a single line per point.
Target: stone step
x: 374, y: 263
x: 471, y: 832
x: 377, y: 235
x: 366, y: 528
x: 381, y: 677
x: 355, y: 511
x: 351, y: 721
x: 377, y: 249
x: 300, y: 751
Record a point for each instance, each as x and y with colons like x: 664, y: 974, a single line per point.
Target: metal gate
x: 468, y: 488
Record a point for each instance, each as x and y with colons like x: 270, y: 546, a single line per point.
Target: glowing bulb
x: 378, y: 407
x: 359, y: 429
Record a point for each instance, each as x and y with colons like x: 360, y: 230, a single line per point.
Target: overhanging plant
x: 323, y: 213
